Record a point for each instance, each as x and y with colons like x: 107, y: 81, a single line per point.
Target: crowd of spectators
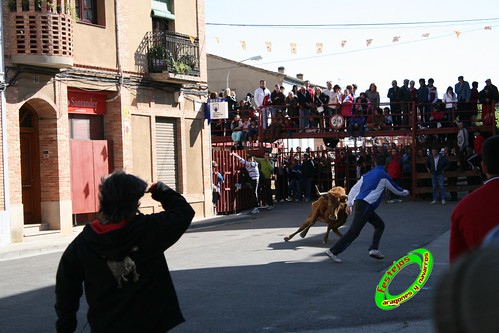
x: 311, y: 109
x: 300, y: 174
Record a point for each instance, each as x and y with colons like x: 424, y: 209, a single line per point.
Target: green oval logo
x: 421, y: 257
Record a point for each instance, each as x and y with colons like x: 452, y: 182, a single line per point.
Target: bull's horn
x: 318, y: 192
x: 344, y: 196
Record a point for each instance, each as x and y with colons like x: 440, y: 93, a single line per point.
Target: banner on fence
x: 218, y: 109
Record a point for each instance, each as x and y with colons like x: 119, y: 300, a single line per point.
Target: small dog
x: 330, y: 208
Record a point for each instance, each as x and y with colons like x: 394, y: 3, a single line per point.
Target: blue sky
x: 442, y: 55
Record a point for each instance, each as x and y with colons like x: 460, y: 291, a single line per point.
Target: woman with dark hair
x: 336, y: 99
x: 372, y: 95
x: 119, y: 258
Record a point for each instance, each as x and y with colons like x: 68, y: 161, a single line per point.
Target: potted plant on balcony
x: 189, y: 60
x: 160, y: 58
x: 180, y: 67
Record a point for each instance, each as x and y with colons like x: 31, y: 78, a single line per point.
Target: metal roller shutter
x: 166, y: 151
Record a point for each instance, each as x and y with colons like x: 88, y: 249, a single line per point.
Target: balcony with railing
x: 41, y: 32
x: 172, y: 56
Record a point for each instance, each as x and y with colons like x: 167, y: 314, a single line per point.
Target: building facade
x: 95, y: 86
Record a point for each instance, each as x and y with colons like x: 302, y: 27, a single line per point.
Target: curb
x: 218, y: 220
x: 56, y: 243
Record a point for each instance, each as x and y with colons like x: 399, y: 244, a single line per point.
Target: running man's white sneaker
x: 443, y: 202
x: 376, y: 254
x: 333, y: 257
x: 255, y: 211
x: 433, y: 202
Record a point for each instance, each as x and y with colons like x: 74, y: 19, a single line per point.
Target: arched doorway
x: 30, y: 165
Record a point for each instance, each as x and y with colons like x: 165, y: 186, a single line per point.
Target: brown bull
x: 330, y: 208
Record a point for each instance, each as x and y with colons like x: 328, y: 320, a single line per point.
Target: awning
x: 160, y: 9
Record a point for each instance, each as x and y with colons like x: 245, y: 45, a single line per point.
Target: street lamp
x: 254, y: 58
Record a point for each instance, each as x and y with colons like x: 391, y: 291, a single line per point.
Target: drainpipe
x: 4, y: 216
x: 118, y: 61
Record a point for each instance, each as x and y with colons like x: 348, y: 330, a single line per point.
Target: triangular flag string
x: 319, y: 46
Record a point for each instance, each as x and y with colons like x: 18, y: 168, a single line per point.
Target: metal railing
x: 172, y: 52
x: 411, y: 119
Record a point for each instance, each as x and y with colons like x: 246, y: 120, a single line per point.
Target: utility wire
x: 342, y: 25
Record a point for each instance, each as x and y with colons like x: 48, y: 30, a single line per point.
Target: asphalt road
x: 243, y: 277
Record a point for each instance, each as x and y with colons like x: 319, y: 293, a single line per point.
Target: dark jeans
x: 281, y: 187
x: 295, y: 189
x: 396, y: 112
x: 391, y: 195
x: 267, y: 191
x: 463, y: 110
x: 362, y: 213
x: 360, y: 121
x: 307, y: 187
x: 254, y: 188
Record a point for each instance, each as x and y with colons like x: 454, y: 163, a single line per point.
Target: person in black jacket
x: 308, y: 172
x: 119, y: 259
x: 437, y: 164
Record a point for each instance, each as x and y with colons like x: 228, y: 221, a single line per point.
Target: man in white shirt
x: 262, y: 97
x: 328, y: 111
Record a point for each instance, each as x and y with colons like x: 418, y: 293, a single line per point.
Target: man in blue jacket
x: 365, y: 196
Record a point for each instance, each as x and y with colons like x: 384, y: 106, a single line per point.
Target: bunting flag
x: 192, y: 39
x: 268, y: 45
x: 318, y: 48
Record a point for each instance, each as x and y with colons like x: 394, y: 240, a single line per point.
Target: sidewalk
x: 50, y: 242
